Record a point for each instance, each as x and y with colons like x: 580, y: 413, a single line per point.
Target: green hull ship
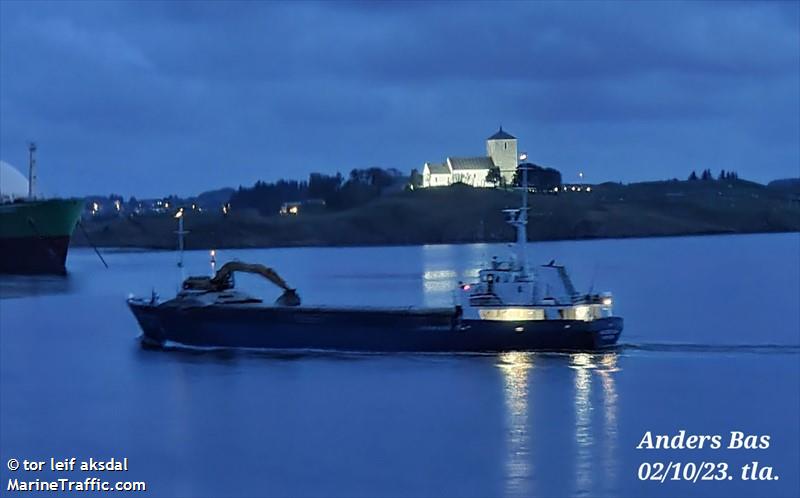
x: 35, y: 235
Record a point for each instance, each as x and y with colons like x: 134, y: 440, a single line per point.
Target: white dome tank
x: 13, y: 184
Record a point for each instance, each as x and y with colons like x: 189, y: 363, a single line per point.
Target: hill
x: 786, y: 184
x: 214, y: 198
x: 460, y: 214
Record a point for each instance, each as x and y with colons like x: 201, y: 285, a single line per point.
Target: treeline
x: 540, y: 177
x: 706, y: 174
x: 338, y: 192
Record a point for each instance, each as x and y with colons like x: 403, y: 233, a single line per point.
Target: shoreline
x: 142, y: 248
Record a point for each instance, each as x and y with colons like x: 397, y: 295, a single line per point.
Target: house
x: 501, y: 152
x: 306, y: 206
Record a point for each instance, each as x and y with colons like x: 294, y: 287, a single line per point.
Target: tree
x: 361, y: 186
x: 268, y: 197
x: 373, y: 177
x: 493, y: 176
x: 722, y: 175
x: 416, y: 179
x: 693, y: 176
x: 322, y: 186
x: 706, y: 174
x: 539, y: 177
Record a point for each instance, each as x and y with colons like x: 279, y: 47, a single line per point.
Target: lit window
x: 511, y: 314
x: 583, y: 313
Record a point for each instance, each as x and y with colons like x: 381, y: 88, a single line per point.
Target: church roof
x: 470, y: 162
x: 438, y: 168
x: 501, y: 135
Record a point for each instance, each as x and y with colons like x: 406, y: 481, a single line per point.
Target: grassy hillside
x: 463, y: 214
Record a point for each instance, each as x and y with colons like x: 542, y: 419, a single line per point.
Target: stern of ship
x: 606, y: 331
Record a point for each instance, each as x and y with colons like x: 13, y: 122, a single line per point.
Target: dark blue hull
x: 435, y: 330
x: 34, y: 255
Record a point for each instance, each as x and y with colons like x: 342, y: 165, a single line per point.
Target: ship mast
x: 522, y: 226
x: 181, y: 232
x: 31, y: 170
x: 518, y: 218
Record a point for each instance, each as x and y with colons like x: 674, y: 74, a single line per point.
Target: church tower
x: 502, y: 149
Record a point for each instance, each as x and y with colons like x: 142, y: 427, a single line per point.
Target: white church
x: 501, y: 151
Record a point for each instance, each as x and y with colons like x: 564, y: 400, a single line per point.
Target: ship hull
x: 34, y: 255
x: 35, y: 235
x: 278, y: 328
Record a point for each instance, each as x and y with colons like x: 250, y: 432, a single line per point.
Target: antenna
x: 594, y: 274
x: 31, y: 170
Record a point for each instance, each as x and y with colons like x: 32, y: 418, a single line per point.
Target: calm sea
x: 711, y: 345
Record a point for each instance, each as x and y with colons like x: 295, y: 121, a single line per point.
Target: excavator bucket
x: 288, y: 298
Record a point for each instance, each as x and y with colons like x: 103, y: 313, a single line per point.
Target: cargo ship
x: 34, y: 233
x: 510, y: 308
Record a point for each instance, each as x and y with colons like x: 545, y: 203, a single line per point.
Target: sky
x: 153, y: 98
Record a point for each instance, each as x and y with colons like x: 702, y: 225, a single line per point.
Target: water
x: 711, y: 345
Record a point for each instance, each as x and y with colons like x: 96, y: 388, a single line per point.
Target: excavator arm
x: 223, y: 275
x: 222, y: 280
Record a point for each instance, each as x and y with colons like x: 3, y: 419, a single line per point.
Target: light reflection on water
x: 443, y: 268
x: 589, y: 370
x: 435, y: 281
x: 606, y: 373
x: 515, y: 367
x: 584, y: 438
x: 438, y: 285
x: 18, y: 286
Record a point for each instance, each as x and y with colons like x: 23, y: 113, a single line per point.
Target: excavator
x: 223, y: 280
